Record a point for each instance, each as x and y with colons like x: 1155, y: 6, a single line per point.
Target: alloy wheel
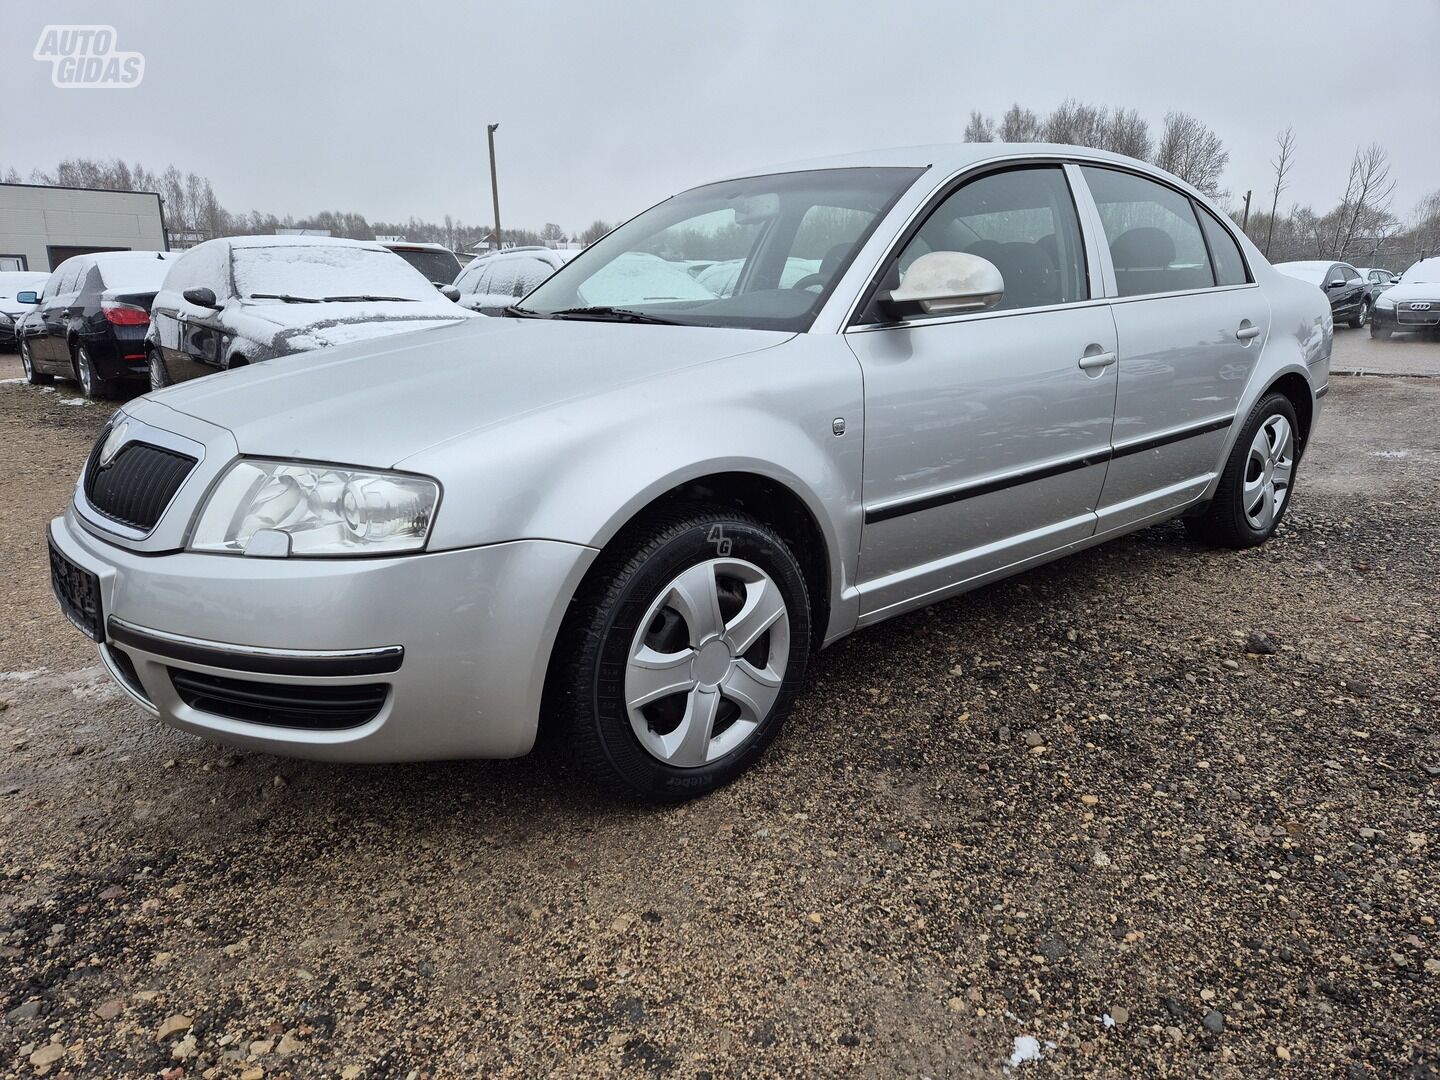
x: 25, y: 361
x: 1268, y: 471
x: 1364, y: 314
x: 87, y: 377
x: 707, y: 662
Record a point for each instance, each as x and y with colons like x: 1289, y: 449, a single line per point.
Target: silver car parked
x: 634, y: 511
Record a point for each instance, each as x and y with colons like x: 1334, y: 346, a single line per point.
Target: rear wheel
x: 1362, y: 316
x: 33, y: 377
x: 92, y: 383
x: 159, y: 373
x: 682, y: 654
x: 1259, y: 476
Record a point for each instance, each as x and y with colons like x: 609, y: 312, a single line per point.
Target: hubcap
x: 707, y: 662
x: 1268, y: 471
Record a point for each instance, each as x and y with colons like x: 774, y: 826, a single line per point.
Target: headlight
x: 5, y: 320
x: 324, y: 509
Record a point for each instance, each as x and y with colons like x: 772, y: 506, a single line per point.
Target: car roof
x: 300, y: 241
x: 945, y: 157
x: 413, y: 245
x: 1313, y: 264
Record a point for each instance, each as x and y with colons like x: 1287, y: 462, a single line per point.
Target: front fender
x: 580, y: 470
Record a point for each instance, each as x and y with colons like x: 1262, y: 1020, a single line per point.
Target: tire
x: 1252, y: 476
x: 1378, y: 332
x: 33, y: 377
x: 92, y: 384
x: 159, y: 373
x: 1362, y: 316
x: 680, y: 743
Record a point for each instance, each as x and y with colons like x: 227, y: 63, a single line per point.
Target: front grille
x: 325, y: 708
x: 138, y: 484
x: 1428, y: 315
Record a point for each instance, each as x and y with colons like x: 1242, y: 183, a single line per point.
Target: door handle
x: 1095, y: 361
x: 1247, y: 332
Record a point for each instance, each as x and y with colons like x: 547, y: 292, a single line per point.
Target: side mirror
x: 28, y: 296
x: 450, y: 292
x: 201, y: 297
x: 946, y: 283
x: 1336, y: 283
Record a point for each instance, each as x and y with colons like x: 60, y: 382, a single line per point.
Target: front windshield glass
x: 1427, y: 270
x: 762, y: 252
x: 323, y: 271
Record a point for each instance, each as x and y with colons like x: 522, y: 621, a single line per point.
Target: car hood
x: 1412, y: 290
x: 298, y: 327
x: 376, y: 403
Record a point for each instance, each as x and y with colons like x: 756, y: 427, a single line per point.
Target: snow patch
x: 75, y: 401
x: 1027, y: 1048
x: 1391, y: 455
x: 7, y: 382
x: 20, y: 676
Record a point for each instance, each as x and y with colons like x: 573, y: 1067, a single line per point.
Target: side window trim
x: 856, y: 319
x: 1200, y: 210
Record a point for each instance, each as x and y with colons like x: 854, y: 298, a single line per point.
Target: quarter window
x: 1023, y: 221
x: 1224, y: 252
x: 1155, y: 242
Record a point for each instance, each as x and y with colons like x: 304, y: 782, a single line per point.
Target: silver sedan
x: 763, y: 414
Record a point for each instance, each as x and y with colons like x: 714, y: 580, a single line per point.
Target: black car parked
x: 91, y: 321
x: 1349, y: 293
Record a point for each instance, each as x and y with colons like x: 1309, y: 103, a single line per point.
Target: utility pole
x: 1242, y: 224
x: 494, y: 184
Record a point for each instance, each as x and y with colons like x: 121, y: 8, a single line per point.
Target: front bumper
x: 1402, y: 316
x: 476, y: 627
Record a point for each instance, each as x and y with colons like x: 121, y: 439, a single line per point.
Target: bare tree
x: 1368, y: 192
x: 1019, y: 125
x: 1425, y: 225
x: 1126, y: 132
x: 980, y: 128
x: 596, y: 230
x: 1282, y: 165
x: 1192, y: 152
x: 1076, y: 123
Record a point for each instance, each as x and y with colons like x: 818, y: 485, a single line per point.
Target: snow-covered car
x: 437, y: 262
x: 493, y: 282
x: 1413, y: 304
x: 242, y: 299
x: 11, y: 310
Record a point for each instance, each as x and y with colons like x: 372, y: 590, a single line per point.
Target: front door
x: 1191, y: 325
x: 986, y: 435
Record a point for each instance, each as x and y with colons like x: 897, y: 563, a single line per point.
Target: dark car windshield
x: 763, y: 252
x: 438, y: 266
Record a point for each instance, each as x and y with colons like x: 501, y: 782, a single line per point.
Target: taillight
x: 124, y: 314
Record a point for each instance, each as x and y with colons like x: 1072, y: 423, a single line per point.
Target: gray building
x: 41, y: 227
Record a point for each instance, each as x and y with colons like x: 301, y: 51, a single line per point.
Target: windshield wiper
x: 515, y: 311
x: 364, y: 297
x: 285, y: 297
x: 611, y: 314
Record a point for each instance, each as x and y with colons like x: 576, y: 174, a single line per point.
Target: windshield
x: 437, y: 266
x: 762, y: 252
x: 323, y: 271
x: 1427, y: 270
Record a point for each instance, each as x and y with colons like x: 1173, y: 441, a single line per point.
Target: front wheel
x: 1378, y: 332
x: 33, y: 377
x: 682, y: 654
x: 1259, y: 476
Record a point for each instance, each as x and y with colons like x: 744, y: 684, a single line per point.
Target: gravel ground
x: 1163, y: 811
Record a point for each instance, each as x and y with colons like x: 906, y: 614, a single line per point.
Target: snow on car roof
x: 133, y: 271
x: 268, y: 240
x: 1426, y: 270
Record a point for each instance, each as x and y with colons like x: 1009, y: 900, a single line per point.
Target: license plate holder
x: 78, y: 592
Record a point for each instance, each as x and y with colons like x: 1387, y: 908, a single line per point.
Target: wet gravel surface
x: 1163, y: 811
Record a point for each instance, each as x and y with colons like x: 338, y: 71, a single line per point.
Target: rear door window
x: 1155, y: 241
x: 1229, y: 264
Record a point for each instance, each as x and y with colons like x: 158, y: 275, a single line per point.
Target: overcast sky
x: 605, y: 107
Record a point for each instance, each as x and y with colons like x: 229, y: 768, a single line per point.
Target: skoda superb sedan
x: 633, y: 511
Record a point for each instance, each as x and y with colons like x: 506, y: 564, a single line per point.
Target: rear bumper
x: 402, y: 659
x: 116, y: 354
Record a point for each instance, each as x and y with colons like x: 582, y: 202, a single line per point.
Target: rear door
x: 986, y: 434
x: 1190, y: 323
